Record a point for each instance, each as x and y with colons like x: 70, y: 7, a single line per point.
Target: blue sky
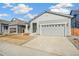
x: 27, y: 11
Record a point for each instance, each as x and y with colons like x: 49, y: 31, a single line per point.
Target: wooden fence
x: 75, y: 31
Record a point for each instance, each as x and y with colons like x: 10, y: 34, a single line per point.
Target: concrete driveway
x: 57, y: 45
x: 8, y: 49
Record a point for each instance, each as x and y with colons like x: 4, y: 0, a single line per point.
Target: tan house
x: 17, y: 26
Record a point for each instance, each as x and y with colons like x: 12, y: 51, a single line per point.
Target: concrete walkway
x: 57, y: 45
x: 8, y: 49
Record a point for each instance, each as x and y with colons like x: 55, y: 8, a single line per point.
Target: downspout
x: 72, y: 30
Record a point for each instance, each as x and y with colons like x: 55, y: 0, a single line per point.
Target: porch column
x: 16, y: 29
x: 8, y: 29
x: 31, y: 28
x: 37, y: 31
x: 26, y: 29
x: 0, y: 29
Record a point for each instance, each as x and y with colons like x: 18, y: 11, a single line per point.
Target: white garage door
x: 52, y: 29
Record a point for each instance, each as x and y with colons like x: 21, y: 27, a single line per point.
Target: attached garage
x: 51, y: 24
x: 52, y: 29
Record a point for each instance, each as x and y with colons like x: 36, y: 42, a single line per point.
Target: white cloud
x: 4, y: 14
x: 62, y: 7
x: 30, y: 15
x: 7, y: 5
x: 21, y: 9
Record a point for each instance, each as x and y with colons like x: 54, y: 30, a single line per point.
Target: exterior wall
x: 26, y: 29
x: 48, y: 16
x: 0, y: 29
x: 21, y: 28
x: 51, y: 18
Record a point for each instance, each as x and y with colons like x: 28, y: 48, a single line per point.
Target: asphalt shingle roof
x: 4, y: 21
x: 16, y: 21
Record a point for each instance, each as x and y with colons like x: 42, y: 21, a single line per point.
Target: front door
x: 34, y: 27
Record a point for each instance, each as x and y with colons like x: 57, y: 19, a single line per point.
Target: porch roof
x: 4, y: 21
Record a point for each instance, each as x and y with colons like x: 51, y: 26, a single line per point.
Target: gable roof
x: 55, y: 13
x: 16, y: 21
x: 60, y: 14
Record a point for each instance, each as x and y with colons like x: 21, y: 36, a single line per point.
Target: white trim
x: 53, y: 23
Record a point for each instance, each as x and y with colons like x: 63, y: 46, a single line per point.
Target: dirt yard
x: 17, y: 39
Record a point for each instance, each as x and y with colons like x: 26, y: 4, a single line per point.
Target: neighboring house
x: 17, y: 26
x: 75, y: 22
x: 51, y: 24
x: 4, y: 26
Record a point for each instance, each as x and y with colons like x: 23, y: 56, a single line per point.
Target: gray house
x: 17, y: 26
x: 51, y: 24
x: 4, y: 26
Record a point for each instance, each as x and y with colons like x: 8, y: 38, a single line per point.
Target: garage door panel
x: 52, y: 29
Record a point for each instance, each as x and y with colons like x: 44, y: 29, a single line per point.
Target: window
x: 52, y: 25
x: 55, y: 25
x: 47, y: 25
x: 62, y: 24
x: 42, y: 25
x: 12, y: 30
x: 59, y: 25
x: 6, y: 27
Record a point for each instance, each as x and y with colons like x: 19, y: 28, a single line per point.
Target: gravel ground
x: 75, y: 41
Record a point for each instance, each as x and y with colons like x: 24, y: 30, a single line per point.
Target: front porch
x: 16, y: 29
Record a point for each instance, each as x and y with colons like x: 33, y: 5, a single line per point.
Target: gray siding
x: 0, y: 29
x: 47, y: 16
